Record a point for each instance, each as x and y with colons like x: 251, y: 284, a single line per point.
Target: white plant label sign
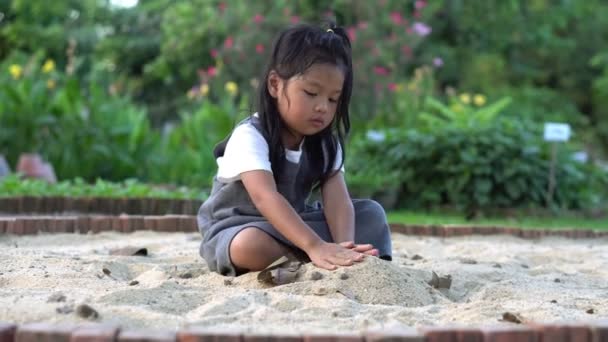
x: 557, y: 131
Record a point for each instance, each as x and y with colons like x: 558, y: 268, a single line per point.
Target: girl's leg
x: 252, y: 249
x: 371, y: 227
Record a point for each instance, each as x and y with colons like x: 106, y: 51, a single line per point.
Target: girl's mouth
x: 317, y: 122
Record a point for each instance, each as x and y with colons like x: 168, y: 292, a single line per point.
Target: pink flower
x: 362, y: 25
x: 221, y: 6
x: 380, y: 71
x: 259, y: 48
x: 212, y: 71
x: 421, y: 29
x: 258, y: 18
x: 352, y: 33
x: 396, y: 18
x: 213, y: 53
x: 294, y: 19
x: 417, y: 14
x: 229, y: 42
x: 392, y: 87
x: 438, y: 62
x: 420, y: 4
x: 406, y: 50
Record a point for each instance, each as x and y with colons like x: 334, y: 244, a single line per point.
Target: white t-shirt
x: 247, y: 150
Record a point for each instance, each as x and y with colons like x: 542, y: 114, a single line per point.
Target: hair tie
x: 330, y: 30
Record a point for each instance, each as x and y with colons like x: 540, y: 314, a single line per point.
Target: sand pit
x: 49, y: 277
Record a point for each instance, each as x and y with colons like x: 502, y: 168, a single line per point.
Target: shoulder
x: 247, y: 133
x: 246, y: 150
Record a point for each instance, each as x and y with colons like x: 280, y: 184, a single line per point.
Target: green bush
x: 185, y: 155
x: 84, y: 130
x: 492, y: 45
x: 502, y: 164
x: 13, y: 185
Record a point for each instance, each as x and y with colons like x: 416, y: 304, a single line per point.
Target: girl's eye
x: 310, y: 93
x: 333, y: 100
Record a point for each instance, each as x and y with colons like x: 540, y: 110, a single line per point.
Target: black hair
x: 295, y: 50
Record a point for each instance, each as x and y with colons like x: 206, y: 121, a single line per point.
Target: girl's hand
x: 367, y: 249
x: 330, y: 255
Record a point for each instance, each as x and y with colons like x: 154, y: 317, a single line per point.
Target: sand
x: 46, y: 278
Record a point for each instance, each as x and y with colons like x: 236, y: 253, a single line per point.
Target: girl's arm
x: 276, y: 209
x: 340, y: 214
x: 263, y: 193
x: 338, y: 209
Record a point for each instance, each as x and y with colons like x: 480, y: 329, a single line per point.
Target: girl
x: 267, y: 167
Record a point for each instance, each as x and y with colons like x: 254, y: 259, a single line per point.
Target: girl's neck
x: 291, y: 140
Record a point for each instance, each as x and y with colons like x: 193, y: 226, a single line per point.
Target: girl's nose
x: 321, y: 106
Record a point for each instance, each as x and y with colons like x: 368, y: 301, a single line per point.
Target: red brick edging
x: 28, y: 225
x: 594, y: 332
x: 97, y: 205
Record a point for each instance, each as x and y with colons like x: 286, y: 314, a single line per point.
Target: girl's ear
x: 273, y: 84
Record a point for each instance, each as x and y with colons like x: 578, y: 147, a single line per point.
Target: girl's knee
x: 369, y: 211
x: 253, y: 249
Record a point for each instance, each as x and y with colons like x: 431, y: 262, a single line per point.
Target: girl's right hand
x: 330, y: 255
x: 366, y: 249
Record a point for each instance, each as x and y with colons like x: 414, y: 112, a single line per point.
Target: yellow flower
x: 48, y: 66
x: 16, y: 71
x: 457, y: 107
x: 465, y: 98
x: 204, y: 89
x: 232, y: 88
x: 50, y: 84
x: 479, y: 100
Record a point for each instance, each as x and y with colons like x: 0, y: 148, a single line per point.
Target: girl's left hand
x: 367, y: 249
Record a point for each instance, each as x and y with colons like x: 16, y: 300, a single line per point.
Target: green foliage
x: 235, y: 39
x: 460, y: 115
x: 13, y: 185
x: 188, y: 64
x: 186, y: 155
x: 496, y: 46
x: 534, y: 220
x: 84, y: 131
x: 600, y: 96
x: 500, y: 164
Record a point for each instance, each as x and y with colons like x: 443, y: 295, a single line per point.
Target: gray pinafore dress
x: 228, y: 210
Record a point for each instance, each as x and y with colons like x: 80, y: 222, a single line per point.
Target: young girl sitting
x: 257, y: 211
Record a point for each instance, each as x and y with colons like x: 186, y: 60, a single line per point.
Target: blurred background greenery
x: 449, y: 102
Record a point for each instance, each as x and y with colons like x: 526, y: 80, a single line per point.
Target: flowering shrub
x: 239, y: 36
x: 79, y: 127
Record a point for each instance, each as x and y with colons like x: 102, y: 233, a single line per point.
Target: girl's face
x: 307, y: 102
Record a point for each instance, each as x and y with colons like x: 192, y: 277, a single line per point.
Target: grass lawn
x: 422, y: 218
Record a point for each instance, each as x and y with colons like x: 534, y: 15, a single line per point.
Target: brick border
x: 571, y: 332
x: 29, y: 225
x: 97, y: 205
